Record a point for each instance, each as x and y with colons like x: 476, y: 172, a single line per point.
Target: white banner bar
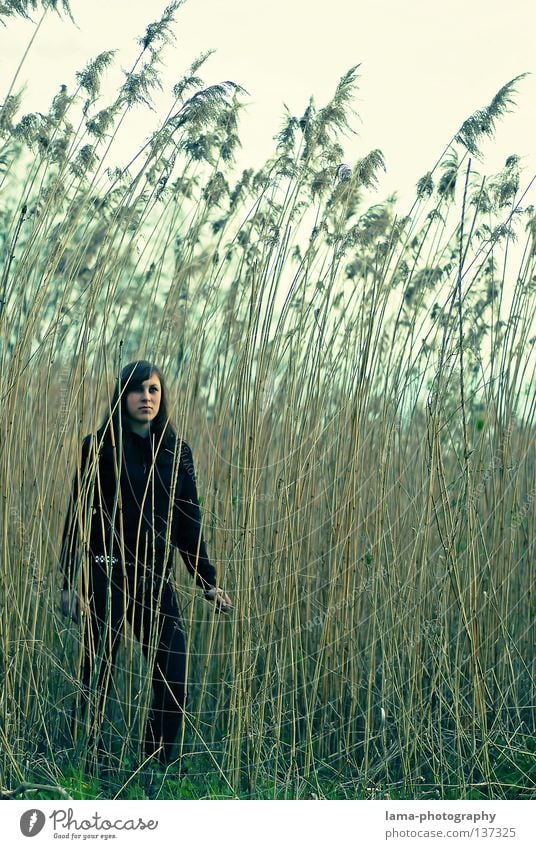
x: 274, y: 824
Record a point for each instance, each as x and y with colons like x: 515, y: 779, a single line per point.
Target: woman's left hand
x: 70, y: 605
x: 223, y: 601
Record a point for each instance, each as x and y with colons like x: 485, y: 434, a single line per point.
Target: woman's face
x: 143, y: 404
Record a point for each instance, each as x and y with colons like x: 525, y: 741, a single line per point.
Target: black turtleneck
x: 146, y: 486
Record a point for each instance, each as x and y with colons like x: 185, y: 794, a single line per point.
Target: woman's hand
x: 70, y: 605
x: 223, y: 602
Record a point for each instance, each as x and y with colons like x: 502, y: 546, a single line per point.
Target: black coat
x: 144, y: 508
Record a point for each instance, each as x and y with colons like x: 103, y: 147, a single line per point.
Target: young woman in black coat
x: 132, y: 530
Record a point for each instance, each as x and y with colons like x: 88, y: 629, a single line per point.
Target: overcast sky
x: 425, y: 66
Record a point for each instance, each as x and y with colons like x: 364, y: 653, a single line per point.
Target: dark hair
x: 131, y: 378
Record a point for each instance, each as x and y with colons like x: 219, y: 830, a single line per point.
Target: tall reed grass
x: 357, y: 386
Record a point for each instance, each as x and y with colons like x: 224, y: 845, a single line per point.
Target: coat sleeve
x: 187, y: 523
x: 70, y: 542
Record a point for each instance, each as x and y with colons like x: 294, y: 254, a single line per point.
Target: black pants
x: 149, y: 604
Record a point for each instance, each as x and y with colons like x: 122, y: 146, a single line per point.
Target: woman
x: 132, y: 529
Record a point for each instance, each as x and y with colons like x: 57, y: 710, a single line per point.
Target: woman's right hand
x: 223, y: 601
x: 69, y: 604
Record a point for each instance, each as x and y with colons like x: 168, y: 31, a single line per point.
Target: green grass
x: 514, y: 774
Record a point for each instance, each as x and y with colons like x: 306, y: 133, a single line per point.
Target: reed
x: 357, y: 385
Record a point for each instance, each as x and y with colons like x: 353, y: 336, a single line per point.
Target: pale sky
x: 425, y: 66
